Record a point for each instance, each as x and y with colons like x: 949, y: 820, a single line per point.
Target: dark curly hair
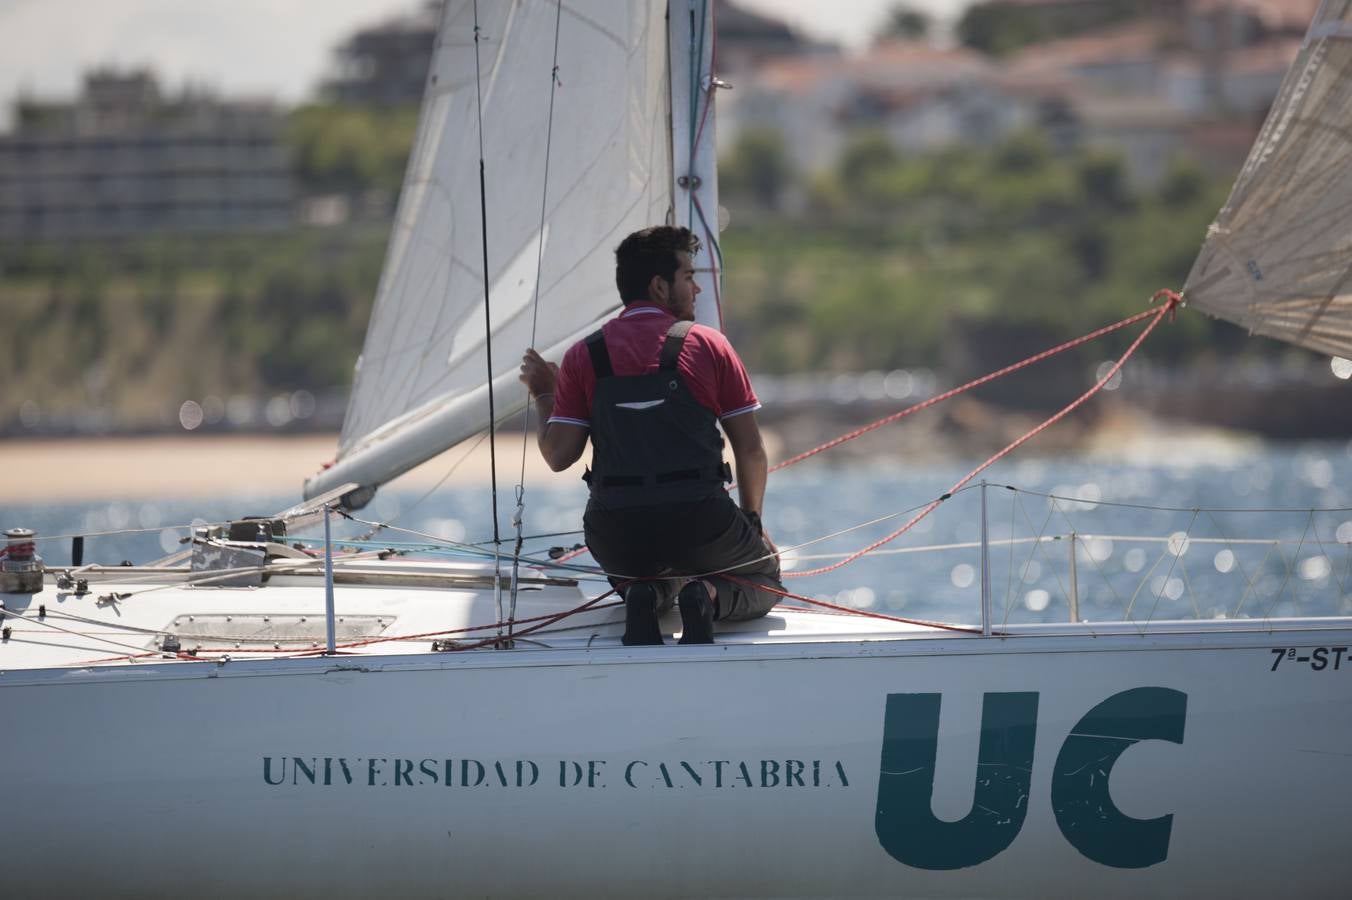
x: 650, y: 252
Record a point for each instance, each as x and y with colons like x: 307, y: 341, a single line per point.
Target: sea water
x: 1264, y: 531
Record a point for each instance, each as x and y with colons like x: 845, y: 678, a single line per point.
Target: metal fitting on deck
x: 20, y: 567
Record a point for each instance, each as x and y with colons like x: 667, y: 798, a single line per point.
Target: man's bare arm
x: 748, y: 450
x: 561, y: 443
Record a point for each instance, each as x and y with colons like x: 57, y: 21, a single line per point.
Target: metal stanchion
x: 1074, y: 583
x: 328, y: 582
x: 985, y: 568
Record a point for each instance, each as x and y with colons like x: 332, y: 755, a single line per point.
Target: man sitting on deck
x: 650, y: 388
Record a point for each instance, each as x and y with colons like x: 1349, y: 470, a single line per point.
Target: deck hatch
x: 242, y: 631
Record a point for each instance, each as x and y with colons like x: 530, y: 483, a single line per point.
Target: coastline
x: 189, y: 466
x: 213, y: 465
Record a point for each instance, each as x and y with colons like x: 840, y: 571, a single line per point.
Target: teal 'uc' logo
x: 909, y: 831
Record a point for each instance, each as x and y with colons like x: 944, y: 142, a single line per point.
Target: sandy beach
x: 213, y: 465
x: 200, y: 465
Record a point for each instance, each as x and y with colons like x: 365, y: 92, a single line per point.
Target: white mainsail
x: 421, y: 382
x: 1278, y: 259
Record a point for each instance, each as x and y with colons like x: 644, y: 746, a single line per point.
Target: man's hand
x: 769, y: 544
x: 755, y: 519
x: 538, y: 375
x: 561, y: 444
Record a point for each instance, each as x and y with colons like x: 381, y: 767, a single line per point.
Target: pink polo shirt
x: 709, y: 366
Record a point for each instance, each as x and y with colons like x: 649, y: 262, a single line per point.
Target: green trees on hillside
x: 905, y: 22
x: 1000, y: 28
x: 899, y: 254
x: 136, y: 324
x: 757, y: 170
x: 888, y: 259
x: 350, y: 149
x: 136, y: 327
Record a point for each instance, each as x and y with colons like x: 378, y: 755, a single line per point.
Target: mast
x: 694, y: 188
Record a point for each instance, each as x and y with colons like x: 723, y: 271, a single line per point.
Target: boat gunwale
x: 1022, y: 640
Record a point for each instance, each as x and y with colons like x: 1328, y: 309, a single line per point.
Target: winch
x: 20, y: 566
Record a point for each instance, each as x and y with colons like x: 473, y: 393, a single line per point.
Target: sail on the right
x: 1278, y: 259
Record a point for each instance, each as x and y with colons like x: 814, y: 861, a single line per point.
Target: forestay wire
x: 518, y: 518
x: 488, y: 324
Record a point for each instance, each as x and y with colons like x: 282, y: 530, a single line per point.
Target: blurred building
x: 782, y: 80
x: 1151, y: 81
x: 923, y: 96
x: 748, y: 40
x: 386, y: 64
x: 1243, y: 20
x: 125, y: 159
x: 1233, y: 23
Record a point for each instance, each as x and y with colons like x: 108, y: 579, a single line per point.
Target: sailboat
x: 252, y: 717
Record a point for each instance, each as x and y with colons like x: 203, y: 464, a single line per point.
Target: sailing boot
x: 697, y: 614
x: 640, y: 616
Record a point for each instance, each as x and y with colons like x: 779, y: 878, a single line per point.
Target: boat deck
x: 123, y: 616
x: 130, y: 615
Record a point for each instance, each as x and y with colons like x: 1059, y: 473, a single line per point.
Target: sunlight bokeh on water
x: 1160, y: 540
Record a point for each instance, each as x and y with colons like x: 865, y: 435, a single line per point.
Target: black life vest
x: 652, y: 441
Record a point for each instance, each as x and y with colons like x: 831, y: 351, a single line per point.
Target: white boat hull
x: 737, y: 770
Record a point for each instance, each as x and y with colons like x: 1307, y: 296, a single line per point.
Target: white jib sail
x: 1278, y: 259
x: 421, y: 382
